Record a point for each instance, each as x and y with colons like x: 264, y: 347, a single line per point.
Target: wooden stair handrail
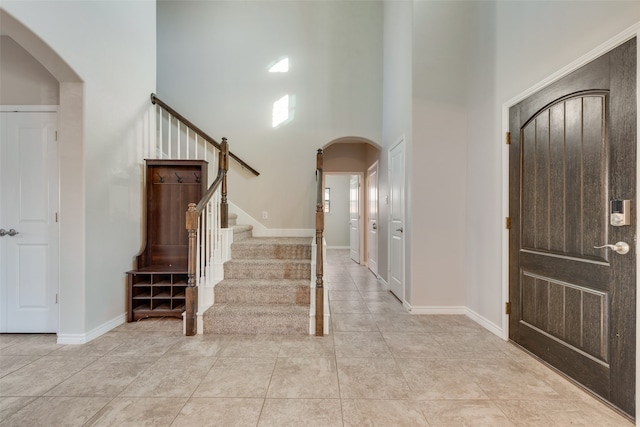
x: 193, y: 213
x: 319, y: 246
x: 155, y: 100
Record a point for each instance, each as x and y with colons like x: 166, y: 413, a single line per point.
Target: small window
x: 327, y: 201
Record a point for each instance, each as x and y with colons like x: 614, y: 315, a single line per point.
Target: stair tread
x: 257, y: 241
x: 264, y: 282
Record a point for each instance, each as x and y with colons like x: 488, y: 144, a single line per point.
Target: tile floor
x: 380, y: 366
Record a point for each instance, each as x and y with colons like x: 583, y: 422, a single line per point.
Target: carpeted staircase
x: 265, y: 289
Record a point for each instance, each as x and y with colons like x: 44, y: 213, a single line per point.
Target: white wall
x: 23, y: 80
x: 437, y: 179
x: 511, y: 53
x: 112, y: 47
x: 336, y: 222
x: 213, y: 60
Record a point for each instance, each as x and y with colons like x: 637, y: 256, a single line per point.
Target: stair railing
x: 207, y: 221
x: 319, y: 300
x: 196, y: 221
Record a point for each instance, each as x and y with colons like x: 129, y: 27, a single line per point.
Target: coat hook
x: 179, y: 177
x: 161, y: 178
x: 197, y: 177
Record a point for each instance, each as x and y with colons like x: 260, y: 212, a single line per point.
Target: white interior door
x: 372, y: 218
x: 396, y: 219
x: 354, y: 218
x: 28, y: 206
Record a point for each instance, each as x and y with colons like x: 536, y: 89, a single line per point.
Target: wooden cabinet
x: 156, y: 288
x: 156, y: 291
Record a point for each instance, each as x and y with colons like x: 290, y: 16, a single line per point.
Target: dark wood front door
x: 573, y: 151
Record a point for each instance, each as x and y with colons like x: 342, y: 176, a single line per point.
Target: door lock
x: 12, y: 232
x: 620, y: 247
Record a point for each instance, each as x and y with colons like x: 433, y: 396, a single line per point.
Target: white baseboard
x: 486, y: 323
x: 436, y: 309
x: 338, y: 247
x: 75, y: 339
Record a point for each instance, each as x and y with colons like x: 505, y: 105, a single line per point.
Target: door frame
x: 375, y: 165
x: 360, y: 206
x: 400, y: 141
x: 633, y: 31
x: 45, y: 109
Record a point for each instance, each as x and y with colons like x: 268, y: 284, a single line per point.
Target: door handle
x: 400, y: 229
x: 12, y: 232
x: 375, y: 226
x: 620, y: 247
x: 3, y: 232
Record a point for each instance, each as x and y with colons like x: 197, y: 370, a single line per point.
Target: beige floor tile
x: 9, y: 364
x: 438, y: 379
x: 360, y: 344
x: 414, y: 345
x: 398, y: 322
x: 455, y: 413
x: 170, y: 377
x: 344, y: 296
x: 505, y: 379
x: 340, y: 285
x: 467, y: 345
x: 348, y: 306
x: 382, y: 413
x: 384, y: 295
x: 371, y: 379
x: 100, y: 379
x: 198, y: 346
x: 237, y: 377
x: 307, y: 346
x: 96, y: 348
x: 385, y: 307
x: 29, y: 345
x: 304, y: 378
x: 42, y: 375
x: 261, y: 346
x: 10, y: 405
x: 136, y: 412
x: 145, y: 343
x: 231, y: 412
x: 57, y: 411
x: 301, y: 412
x: 353, y: 323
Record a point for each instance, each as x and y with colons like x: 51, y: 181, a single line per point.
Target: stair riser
x: 253, y: 296
x: 261, y: 271
x: 271, y: 252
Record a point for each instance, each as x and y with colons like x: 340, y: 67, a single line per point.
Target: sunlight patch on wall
x: 282, y: 66
x: 283, y: 110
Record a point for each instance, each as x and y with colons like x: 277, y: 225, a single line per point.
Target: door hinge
x: 56, y: 216
x: 508, y: 138
x: 507, y: 223
x: 56, y: 298
x: 507, y: 307
x: 56, y: 135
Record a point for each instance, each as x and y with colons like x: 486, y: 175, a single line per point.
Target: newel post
x: 319, y: 247
x: 223, y: 163
x: 191, y: 292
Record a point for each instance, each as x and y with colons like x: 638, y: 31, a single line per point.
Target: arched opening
x: 71, y: 172
x: 351, y: 168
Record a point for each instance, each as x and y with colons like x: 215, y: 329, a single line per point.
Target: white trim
x: 338, y: 247
x: 94, y: 333
x: 384, y: 282
x: 28, y: 108
x: 401, y: 140
x: 426, y: 309
x: 485, y: 323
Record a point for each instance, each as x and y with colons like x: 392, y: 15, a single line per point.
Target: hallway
x: 379, y: 366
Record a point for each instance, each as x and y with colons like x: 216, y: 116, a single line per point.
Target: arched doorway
x: 356, y: 160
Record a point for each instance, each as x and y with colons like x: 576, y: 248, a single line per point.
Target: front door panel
x: 572, y: 152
